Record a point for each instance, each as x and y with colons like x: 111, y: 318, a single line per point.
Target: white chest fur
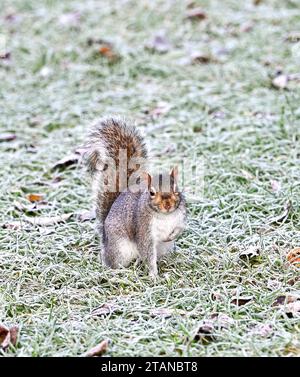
x: 164, y: 224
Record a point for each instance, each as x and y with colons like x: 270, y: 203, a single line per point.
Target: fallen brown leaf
x: 32, y: 208
x: 162, y: 312
x: 251, y: 252
x: 196, y: 14
x: 239, y: 301
x: 206, y: 331
x: 284, y: 299
x: 105, y: 310
x: 45, y: 221
x: 5, y: 55
x: 290, y: 305
x: 107, y: 51
x: 222, y: 321
x: 280, y: 81
x: 7, y: 137
x: 291, y: 351
x: 293, y: 256
x: 37, y: 221
x: 200, y: 58
x: 67, y: 161
x: 98, y: 350
x: 14, y: 332
x: 3, y: 333
x: 86, y: 215
x: 263, y: 330
x: 293, y: 281
x: 283, y: 216
x: 35, y: 197
x: 293, y: 309
x: 293, y: 37
x: 8, y: 336
x: 216, y: 296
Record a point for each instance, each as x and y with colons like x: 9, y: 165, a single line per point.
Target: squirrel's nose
x: 167, y: 206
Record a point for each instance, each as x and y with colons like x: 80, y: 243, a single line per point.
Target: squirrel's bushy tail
x: 105, y: 141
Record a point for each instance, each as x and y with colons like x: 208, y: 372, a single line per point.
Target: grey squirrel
x: 139, y: 216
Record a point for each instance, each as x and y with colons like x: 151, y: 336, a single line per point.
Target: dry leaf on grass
x: 7, y: 137
x: 105, y: 310
x: 98, y: 350
x: 200, y: 58
x: 3, y: 333
x: 86, y: 215
x: 35, y: 197
x: 280, y: 300
x: 222, y: 321
x: 5, y: 55
x: 240, y: 300
x: 250, y: 252
x: 45, y: 221
x: 217, y: 296
x: 293, y: 37
x: 293, y: 309
x: 285, y: 299
x: 206, y: 331
x: 162, y: 312
x: 31, y: 208
x: 289, y: 303
x: 8, y: 336
x: 108, y: 52
x: 293, y: 281
x: 283, y: 216
x: 168, y: 312
x: 67, y: 161
x: 196, y: 14
x: 280, y: 81
x: 37, y: 221
x: 293, y: 256
x: 263, y: 330
x: 99, y: 41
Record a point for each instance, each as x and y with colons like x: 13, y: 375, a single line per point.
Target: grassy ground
x: 225, y: 111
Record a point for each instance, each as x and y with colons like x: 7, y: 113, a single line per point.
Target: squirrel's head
x: 163, y: 191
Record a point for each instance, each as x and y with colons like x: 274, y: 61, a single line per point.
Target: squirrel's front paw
x: 153, y: 273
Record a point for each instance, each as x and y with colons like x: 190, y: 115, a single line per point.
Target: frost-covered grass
x: 226, y: 112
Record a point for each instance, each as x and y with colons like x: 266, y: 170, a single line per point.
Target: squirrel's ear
x: 147, y: 179
x: 174, y: 175
x: 174, y: 172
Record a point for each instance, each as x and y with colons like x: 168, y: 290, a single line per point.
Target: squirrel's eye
x: 152, y: 193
